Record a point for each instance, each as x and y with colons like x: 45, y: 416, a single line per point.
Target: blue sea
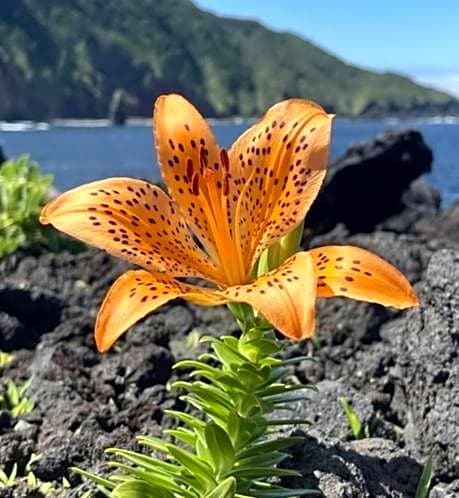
x: 79, y: 152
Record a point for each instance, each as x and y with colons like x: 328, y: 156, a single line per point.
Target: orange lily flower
x: 224, y: 209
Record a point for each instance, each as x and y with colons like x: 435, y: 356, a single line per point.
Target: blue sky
x: 419, y: 38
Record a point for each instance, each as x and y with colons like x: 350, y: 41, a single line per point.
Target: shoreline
x: 28, y: 125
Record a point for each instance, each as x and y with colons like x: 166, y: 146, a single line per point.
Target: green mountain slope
x: 73, y: 58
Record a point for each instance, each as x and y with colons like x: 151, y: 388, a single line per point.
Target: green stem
x: 222, y: 449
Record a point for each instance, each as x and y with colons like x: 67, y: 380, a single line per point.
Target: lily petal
x: 285, y: 297
x: 137, y: 293
x: 278, y: 166
x: 354, y: 272
x: 185, y: 145
x: 133, y: 220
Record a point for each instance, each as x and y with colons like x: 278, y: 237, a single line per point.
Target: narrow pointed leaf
x: 220, y: 448
x: 94, y: 478
x: 139, y: 489
x: 278, y: 444
x: 423, y: 488
x: 225, y: 489
x: 199, y: 469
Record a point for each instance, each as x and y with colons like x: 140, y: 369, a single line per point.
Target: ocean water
x: 77, y: 154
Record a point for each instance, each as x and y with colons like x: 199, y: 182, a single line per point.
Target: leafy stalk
x: 227, y: 447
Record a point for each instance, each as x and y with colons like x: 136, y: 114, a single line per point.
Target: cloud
x: 439, y: 78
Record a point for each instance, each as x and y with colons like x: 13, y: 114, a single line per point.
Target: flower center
x: 210, y: 184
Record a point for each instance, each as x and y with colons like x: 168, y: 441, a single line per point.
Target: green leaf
x: 250, y: 405
x: 105, y: 483
x: 12, y: 393
x: 286, y: 398
x: 422, y: 491
x: 250, y: 376
x: 275, y: 374
x: 139, y: 489
x: 5, y: 359
x: 206, y: 392
x: 288, y: 421
x: 262, y: 472
x: 268, y: 446
x: 145, y: 461
x: 182, y: 434
x: 151, y: 441
x: 263, y: 347
x: 298, y: 359
x: 216, y: 412
x: 186, y: 418
x: 225, y: 489
x: 201, y: 470
x: 31, y: 480
x: 195, y: 365
x: 230, y: 358
x: 352, y: 418
x: 282, y: 389
x: 269, y: 459
x: 220, y: 449
x: 157, y: 479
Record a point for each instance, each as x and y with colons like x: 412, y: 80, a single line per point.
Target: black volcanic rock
x: 371, y: 183
x: 366, y: 468
x: 428, y: 367
x: 444, y: 224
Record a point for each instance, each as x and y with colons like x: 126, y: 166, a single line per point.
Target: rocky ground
x: 399, y: 370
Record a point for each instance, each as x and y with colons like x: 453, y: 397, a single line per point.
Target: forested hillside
x: 77, y: 58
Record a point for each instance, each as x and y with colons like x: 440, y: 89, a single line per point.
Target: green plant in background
x: 29, y: 480
x: 425, y: 481
x: 23, y: 191
x: 5, y: 359
x: 14, y: 399
x: 359, y: 431
x: 8, y: 480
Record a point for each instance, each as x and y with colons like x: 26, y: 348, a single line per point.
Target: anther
x: 202, y: 159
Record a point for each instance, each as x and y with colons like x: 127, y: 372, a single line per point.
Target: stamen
x: 202, y: 159
x: 208, y: 175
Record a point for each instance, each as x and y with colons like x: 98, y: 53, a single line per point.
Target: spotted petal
x: 185, y: 146
x: 277, y: 169
x: 285, y: 297
x: 137, y: 293
x: 133, y: 220
x: 354, y: 272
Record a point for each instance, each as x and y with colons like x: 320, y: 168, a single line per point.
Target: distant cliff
x: 89, y: 58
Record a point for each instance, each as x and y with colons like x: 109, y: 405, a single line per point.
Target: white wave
x: 17, y: 126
